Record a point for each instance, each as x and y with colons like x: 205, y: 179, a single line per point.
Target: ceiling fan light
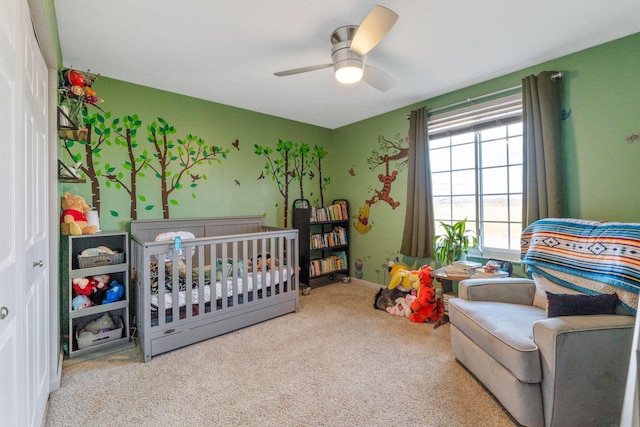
x: 349, y: 74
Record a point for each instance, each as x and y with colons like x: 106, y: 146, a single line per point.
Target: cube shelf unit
x: 324, y: 241
x: 73, y: 320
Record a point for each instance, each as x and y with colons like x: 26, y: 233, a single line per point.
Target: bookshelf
x: 324, y: 241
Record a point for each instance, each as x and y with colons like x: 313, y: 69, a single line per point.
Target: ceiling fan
x: 350, y: 45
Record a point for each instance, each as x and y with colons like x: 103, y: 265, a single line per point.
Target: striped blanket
x: 588, y: 256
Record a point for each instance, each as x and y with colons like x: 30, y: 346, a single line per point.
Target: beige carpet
x: 337, y: 362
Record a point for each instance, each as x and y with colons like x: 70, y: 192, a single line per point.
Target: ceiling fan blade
x: 378, y: 78
x: 373, y: 29
x: 302, y: 70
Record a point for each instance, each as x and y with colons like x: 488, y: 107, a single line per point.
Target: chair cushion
x: 504, y: 331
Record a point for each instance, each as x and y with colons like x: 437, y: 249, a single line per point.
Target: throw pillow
x: 580, y: 304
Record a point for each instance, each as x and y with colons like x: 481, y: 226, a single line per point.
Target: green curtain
x: 543, y: 183
x: 417, y: 238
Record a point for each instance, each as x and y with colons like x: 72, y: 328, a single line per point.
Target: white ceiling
x: 227, y: 51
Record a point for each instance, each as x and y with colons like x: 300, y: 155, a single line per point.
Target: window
x: 476, y: 170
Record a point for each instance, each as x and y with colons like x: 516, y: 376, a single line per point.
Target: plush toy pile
x: 95, y: 290
x: 411, y: 294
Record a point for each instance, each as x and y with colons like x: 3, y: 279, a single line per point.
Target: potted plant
x: 455, y: 242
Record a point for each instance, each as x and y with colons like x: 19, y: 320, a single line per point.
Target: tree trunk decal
x: 94, y: 124
x: 300, y: 163
x: 320, y: 153
x: 279, y: 169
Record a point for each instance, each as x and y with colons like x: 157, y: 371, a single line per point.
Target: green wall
x: 601, y: 90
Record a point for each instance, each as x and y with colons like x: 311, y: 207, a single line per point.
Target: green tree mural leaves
x: 185, y: 153
x: 125, y: 136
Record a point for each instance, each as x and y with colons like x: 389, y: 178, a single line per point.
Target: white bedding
x: 168, y: 296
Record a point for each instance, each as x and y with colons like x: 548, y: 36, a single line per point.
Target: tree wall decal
x: 279, y: 169
x: 185, y: 153
x: 300, y: 162
x: 92, y: 148
x: 134, y: 165
x: 320, y: 153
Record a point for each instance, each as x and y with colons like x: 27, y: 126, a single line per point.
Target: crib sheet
x: 182, y: 294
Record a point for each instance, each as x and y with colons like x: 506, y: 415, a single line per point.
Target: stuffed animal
x: 73, y: 220
x: 81, y: 301
x: 100, y: 286
x: 100, y: 324
x: 268, y: 262
x: 402, y: 307
x: 399, y: 277
x: 115, y: 292
x: 81, y: 286
x: 386, y: 297
x: 102, y: 281
x: 427, y: 305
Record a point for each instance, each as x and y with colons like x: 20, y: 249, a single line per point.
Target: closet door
x: 33, y: 170
x: 24, y: 288
x: 11, y: 256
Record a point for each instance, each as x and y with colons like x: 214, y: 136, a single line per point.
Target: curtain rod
x: 554, y: 76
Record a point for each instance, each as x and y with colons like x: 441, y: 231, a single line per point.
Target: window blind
x: 498, y: 111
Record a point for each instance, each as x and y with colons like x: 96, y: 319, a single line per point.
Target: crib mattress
x: 231, y: 282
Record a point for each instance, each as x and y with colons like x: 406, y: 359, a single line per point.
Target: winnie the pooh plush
x: 427, y: 305
x: 73, y: 220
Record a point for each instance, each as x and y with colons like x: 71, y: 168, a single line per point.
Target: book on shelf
x: 336, y: 262
x: 335, y: 212
x: 336, y: 237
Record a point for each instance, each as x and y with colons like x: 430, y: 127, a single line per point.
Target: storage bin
x: 86, y: 261
x: 90, y: 340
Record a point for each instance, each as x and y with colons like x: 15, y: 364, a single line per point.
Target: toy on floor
x: 427, y: 305
x: 399, y: 277
x: 402, y: 307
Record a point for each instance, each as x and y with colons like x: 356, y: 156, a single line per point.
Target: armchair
x: 568, y: 370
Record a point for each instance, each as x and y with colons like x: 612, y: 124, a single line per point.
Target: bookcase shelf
x: 324, y: 241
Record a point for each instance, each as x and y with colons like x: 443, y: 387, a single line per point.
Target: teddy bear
x: 73, y: 220
x: 427, y: 305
